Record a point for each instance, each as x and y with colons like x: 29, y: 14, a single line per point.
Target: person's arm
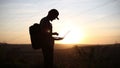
x: 58, y: 38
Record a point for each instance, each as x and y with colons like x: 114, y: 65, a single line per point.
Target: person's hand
x: 55, y: 33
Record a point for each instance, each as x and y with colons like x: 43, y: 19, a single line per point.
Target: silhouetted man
x: 47, y: 39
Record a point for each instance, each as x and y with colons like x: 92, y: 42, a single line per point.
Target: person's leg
x: 48, y: 56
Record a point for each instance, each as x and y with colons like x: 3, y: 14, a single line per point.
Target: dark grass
x: 97, y: 56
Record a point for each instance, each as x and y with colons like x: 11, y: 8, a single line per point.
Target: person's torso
x: 46, y: 30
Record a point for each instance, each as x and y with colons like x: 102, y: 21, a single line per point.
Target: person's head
x: 53, y: 14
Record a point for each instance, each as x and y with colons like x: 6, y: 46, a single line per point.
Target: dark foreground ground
x: 97, y: 56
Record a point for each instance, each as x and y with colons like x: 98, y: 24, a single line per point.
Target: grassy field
x: 91, y: 56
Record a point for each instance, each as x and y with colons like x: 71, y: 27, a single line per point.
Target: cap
x: 57, y: 18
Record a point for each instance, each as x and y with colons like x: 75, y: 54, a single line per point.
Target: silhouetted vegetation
x: 97, y: 56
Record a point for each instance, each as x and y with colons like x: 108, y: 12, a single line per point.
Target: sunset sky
x: 88, y: 21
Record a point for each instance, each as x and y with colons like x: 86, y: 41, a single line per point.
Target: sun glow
x: 74, y: 36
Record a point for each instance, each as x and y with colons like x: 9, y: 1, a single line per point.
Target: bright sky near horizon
x: 89, y: 21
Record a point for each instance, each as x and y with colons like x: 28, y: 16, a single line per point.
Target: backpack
x: 35, y: 33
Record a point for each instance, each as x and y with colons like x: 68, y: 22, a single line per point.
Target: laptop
x: 61, y: 38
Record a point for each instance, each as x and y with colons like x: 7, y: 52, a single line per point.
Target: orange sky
x: 89, y: 21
